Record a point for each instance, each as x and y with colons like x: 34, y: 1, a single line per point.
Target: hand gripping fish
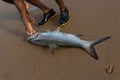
x: 54, y: 39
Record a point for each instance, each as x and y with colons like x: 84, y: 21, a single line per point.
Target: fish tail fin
x: 91, y: 50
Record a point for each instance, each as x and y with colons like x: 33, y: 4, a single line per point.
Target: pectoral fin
x: 52, y: 47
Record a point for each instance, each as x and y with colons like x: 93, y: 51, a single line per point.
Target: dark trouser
x: 9, y: 1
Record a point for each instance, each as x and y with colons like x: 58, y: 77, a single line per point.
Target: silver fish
x: 55, y: 38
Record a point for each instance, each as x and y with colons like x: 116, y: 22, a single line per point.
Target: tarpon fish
x: 55, y: 38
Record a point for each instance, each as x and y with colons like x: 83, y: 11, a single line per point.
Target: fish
x: 55, y: 39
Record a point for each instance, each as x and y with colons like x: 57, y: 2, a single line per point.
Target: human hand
x: 30, y: 30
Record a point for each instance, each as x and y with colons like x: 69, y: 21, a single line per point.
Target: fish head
x: 33, y: 37
x: 37, y: 37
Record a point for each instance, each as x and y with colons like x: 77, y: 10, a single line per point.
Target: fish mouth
x: 32, y: 36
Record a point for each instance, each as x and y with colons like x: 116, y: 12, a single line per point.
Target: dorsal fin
x: 58, y: 29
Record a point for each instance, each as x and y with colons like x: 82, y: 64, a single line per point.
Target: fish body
x: 54, y: 39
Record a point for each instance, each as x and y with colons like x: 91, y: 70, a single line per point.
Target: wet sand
x: 20, y: 60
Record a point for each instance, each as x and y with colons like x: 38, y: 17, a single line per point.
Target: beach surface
x: 21, y: 60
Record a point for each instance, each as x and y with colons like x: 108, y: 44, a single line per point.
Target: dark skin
x: 20, y: 5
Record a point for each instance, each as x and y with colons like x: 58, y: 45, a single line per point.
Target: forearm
x: 20, y: 5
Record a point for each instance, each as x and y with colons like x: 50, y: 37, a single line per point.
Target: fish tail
x: 91, y: 50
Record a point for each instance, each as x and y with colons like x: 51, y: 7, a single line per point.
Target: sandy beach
x: 20, y: 60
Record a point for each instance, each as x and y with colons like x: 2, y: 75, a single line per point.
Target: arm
x: 20, y: 5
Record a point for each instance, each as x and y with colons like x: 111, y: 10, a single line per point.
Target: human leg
x: 61, y: 4
x: 64, y: 13
x: 39, y: 4
x: 48, y: 13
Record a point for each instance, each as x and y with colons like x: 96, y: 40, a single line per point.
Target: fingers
x: 31, y: 32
